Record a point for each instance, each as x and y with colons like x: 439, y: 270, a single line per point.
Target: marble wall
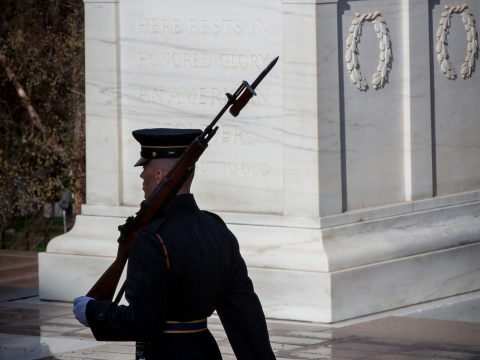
x: 351, y: 180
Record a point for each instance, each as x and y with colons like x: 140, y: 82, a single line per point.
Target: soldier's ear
x: 159, y: 175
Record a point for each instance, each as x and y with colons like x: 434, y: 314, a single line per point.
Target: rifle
x: 165, y: 191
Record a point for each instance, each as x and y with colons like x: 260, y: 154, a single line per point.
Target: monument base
x: 319, y: 270
x: 366, y: 290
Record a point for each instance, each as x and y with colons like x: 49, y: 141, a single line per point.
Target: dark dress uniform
x: 198, y: 269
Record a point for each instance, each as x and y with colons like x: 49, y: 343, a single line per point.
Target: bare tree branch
x: 56, y: 148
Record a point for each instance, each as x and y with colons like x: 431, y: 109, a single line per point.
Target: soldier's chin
x: 146, y: 194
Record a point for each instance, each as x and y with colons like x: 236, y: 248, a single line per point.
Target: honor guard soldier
x: 182, y: 267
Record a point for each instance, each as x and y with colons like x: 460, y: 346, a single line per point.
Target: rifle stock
x: 158, y: 201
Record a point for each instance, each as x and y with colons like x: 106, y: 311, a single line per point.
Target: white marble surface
x: 457, y: 125
x: 176, y: 67
x: 458, y: 308
x: 102, y: 96
x: 345, y: 202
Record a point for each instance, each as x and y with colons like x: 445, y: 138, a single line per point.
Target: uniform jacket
x: 206, y: 273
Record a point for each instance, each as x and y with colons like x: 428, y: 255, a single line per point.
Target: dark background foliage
x: 42, y: 113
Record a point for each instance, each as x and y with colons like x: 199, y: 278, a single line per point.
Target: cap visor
x: 141, y: 161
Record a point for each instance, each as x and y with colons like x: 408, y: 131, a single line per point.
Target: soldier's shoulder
x: 214, y: 216
x: 156, y: 225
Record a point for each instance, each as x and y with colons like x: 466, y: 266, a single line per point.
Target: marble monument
x: 352, y: 179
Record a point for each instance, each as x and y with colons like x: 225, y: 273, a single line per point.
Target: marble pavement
x: 352, y: 179
x: 31, y: 328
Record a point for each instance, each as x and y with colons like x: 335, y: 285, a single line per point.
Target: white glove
x: 79, y: 309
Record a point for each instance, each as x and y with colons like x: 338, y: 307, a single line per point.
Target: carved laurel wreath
x: 468, y: 65
x: 384, y: 65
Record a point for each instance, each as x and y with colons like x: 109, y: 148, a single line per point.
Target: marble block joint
x: 352, y: 179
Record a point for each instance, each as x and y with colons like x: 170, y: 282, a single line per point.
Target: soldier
x: 182, y: 267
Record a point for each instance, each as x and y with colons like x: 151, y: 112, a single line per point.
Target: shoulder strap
x: 165, y: 251
x: 164, y: 247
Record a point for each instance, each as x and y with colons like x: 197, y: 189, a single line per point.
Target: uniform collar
x: 184, y: 202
